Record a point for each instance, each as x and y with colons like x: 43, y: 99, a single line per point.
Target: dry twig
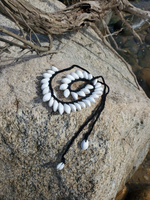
x: 128, y: 25
x: 94, y: 27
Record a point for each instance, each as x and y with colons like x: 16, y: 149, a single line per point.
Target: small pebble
x: 146, y: 178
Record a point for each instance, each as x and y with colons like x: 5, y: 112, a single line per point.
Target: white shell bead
x: 91, y: 99
x: 50, y: 72
x: 80, y: 74
x: 85, y: 74
x: 98, y: 89
x: 66, y: 80
x: 90, y: 76
x: 67, y: 108
x: 98, y: 85
x: 81, y: 93
x: 54, y: 69
x: 47, y: 75
x: 74, y: 75
x: 85, y: 90
x: 44, y: 85
x: 70, y: 77
x: 46, y: 97
x: 55, y: 106
x: 45, y: 80
x: 84, y: 144
x: 66, y: 93
x: 89, y: 86
x: 82, y: 104
x: 74, y: 95
x: 60, y: 166
x: 94, y: 82
x: 94, y: 95
x: 87, y: 102
x: 61, y: 108
x: 51, y: 102
x: 98, y: 93
x: 77, y: 106
x: 63, y: 87
x: 73, y: 107
x: 46, y: 90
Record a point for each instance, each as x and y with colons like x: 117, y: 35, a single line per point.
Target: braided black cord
x: 95, y: 114
x: 50, y: 83
x: 90, y: 121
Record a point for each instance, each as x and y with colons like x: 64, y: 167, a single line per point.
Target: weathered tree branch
x: 31, y: 20
x: 51, y: 23
x: 136, y: 11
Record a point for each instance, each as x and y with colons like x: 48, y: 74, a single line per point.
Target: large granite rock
x: 32, y: 136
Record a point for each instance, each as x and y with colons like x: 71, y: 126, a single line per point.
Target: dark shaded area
x: 138, y: 56
x: 140, y: 180
x: 69, y: 2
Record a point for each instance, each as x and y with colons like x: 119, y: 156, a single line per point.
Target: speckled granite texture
x: 32, y: 136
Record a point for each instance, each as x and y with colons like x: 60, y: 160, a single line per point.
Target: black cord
x: 96, y: 114
x: 69, y: 85
x: 97, y: 111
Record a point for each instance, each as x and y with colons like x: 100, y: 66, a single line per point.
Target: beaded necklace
x: 83, y: 97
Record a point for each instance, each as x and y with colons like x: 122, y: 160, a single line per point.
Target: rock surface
x: 122, y: 194
x: 32, y: 136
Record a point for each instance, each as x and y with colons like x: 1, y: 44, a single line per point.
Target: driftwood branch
x: 50, y: 23
x: 128, y: 25
x: 31, y: 20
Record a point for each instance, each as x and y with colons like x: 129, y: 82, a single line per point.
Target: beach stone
x: 131, y: 45
x: 148, y: 30
x: 143, y: 56
x: 147, y: 39
x: 140, y: 194
x: 32, y: 136
x: 143, y: 77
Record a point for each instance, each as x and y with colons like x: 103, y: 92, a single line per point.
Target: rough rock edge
x: 20, y: 87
